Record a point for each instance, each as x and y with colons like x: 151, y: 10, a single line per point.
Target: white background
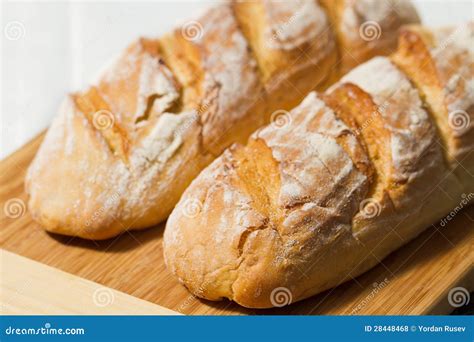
x: 63, y: 45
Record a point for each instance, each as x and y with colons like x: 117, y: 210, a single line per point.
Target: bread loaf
x: 355, y: 173
x: 119, y: 154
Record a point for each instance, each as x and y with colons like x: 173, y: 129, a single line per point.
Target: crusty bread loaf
x: 444, y: 77
x: 119, y: 154
x: 361, y: 27
x: 354, y: 173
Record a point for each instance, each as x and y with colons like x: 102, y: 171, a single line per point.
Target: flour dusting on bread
x: 174, y: 104
x: 293, y: 23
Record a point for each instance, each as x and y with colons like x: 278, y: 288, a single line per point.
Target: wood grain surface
x: 415, y: 279
x: 30, y: 286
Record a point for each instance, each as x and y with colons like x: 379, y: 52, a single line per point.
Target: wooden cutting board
x: 415, y: 279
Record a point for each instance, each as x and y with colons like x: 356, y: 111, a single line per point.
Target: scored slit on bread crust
x: 361, y: 27
x: 410, y: 148
x: 443, y: 77
x: 228, y: 78
x: 300, y: 220
x: 283, y: 213
x: 292, y: 44
x: 167, y: 107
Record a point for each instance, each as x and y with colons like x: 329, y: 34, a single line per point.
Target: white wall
x: 61, y: 46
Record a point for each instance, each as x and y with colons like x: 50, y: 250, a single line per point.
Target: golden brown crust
x: 293, y: 45
x: 264, y: 211
x: 304, y: 206
x: 411, y: 152
x: 351, y: 104
x: 441, y: 64
x: 226, y: 76
x: 166, y: 107
x: 367, y: 28
x: 135, y: 143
